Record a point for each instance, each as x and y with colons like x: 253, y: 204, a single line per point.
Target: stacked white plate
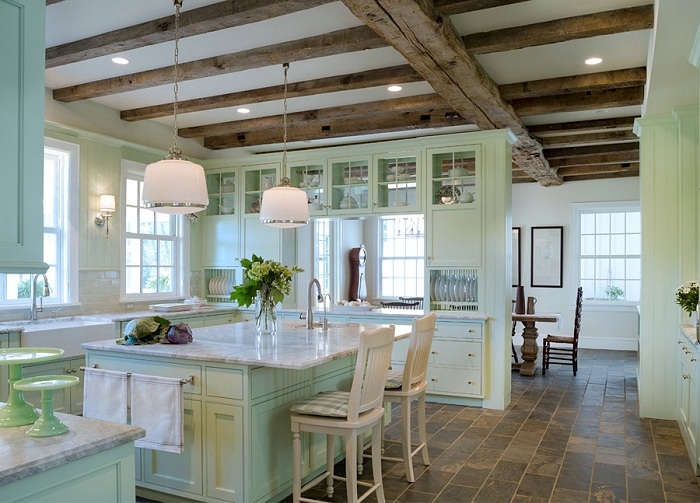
x: 219, y: 285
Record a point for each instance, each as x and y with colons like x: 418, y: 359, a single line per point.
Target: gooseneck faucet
x: 310, y: 300
x: 33, y: 313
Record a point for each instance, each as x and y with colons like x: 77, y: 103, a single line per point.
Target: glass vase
x: 265, y: 312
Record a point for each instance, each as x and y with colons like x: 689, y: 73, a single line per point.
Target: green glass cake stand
x: 47, y: 425
x: 17, y: 411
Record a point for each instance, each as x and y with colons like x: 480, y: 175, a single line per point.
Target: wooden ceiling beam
x: 596, y: 159
x: 612, y: 98
x: 338, y: 42
x: 592, y: 150
x: 339, y: 129
x: 589, y: 139
x: 380, y: 77
x: 450, y: 7
x: 631, y: 77
x: 561, y: 30
x: 218, y: 16
x: 598, y: 170
x: 615, y: 124
x: 359, y: 112
x: 431, y: 45
x: 602, y: 176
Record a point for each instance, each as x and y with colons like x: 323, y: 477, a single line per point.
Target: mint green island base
x: 238, y: 441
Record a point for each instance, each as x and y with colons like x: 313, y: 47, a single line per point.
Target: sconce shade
x: 284, y: 207
x: 175, y: 186
x: 107, y: 203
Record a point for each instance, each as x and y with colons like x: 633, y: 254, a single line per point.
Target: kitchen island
x: 93, y: 461
x: 238, y: 442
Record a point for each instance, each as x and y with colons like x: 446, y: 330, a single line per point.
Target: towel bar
x: 189, y: 380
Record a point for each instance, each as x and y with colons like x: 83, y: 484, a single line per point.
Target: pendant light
x: 284, y: 206
x: 174, y: 184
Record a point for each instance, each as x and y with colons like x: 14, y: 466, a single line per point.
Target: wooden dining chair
x: 413, y: 299
x: 409, y: 385
x: 562, y: 349
x: 512, y: 335
x: 349, y: 415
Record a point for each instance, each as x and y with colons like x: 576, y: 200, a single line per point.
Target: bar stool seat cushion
x: 394, y: 379
x: 327, y: 403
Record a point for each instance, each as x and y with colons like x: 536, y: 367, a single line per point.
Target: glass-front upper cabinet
x: 453, y: 177
x: 221, y: 187
x: 256, y: 180
x: 349, y: 185
x: 310, y: 176
x: 397, y: 187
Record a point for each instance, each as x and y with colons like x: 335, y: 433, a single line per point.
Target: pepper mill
x: 520, y: 299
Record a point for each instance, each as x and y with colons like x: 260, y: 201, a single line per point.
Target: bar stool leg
x: 422, y: 436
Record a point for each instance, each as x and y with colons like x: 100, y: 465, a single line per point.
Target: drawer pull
x: 470, y: 382
x: 685, y: 375
x: 471, y: 354
x: 433, y: 352
x: 433, y: 379
x: 693, y: 359
x: 471, y: 330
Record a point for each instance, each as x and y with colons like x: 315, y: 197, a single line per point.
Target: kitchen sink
x: 64, y: 333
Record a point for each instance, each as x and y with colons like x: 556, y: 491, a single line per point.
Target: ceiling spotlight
x: 243, y: 110
x: 394, y: 89
x: 594, y: 61
x: 120, y: 61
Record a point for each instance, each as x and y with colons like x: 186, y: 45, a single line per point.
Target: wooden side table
x: 530, y: 334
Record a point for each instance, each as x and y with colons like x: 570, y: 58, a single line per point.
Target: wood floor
x: 562, y: 439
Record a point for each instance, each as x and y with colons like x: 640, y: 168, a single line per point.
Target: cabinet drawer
x: 454, y: 381
x: 458, y: 330
x: 456, y: 353
x: 224, y: 383
x: 151, y: 367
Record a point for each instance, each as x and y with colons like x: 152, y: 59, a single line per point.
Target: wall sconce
x: 107, y: 207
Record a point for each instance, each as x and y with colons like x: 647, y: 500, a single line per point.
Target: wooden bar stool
x: 350, y: 415
x: 408, y: 385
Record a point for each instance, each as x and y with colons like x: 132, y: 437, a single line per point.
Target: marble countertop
x: 24, y: 456
x: 293, y: 347
x: 195, y: 311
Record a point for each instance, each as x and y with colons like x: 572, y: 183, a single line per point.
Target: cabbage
x: 145, y: 331
x: 179, y: 333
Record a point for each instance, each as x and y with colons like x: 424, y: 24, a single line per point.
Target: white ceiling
x: 72, y: 20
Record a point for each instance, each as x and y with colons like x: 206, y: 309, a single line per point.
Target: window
x: 401, y: 256
x: 153, y: 245
x: 61, y: 166
x: 322, y: 253
x: 608, y: 248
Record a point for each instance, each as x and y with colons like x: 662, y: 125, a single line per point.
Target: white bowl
x: 390, y: 178
x: 226, y: 210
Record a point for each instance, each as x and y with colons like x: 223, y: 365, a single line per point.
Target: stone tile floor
x: 562, y: 439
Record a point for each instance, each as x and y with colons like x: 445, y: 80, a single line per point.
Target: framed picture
x: 516, y: 256
x: 546, y: 266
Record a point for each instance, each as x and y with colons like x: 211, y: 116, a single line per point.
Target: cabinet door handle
x: 470, y: 382
x: 678, y: 342
x: 693, y: 359
x: 471, y: 354
x: 434, y: 380
x: 685, y: 376
x: 433, y: 352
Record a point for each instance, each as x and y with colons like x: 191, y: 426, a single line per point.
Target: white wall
x: 534, y: 205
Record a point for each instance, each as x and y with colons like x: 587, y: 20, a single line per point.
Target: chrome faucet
x: 310, y: 300
x: 35, y: 310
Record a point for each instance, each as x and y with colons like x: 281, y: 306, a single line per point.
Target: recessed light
x: 394, y: 89
x: 594, y: 61
x: 243, y: 110
x: 120, y: 61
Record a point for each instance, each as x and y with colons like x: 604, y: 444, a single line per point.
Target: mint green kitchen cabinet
x: 397, y: 187
x: 349, y: 185
x: 221, y: 188
x: 256, y: 179
x: 221, y: 241
x: 7, y: 340
x: 224, y: 476
x: 311, y: 177
x: 688, y: 413
x: 22, y: 138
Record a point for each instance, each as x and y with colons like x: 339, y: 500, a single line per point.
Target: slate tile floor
x: 562, y: 439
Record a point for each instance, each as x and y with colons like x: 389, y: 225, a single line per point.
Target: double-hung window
x: 60, y: 207
x: 607, y: 247
x: 153, y: 245
x: 401, y: 256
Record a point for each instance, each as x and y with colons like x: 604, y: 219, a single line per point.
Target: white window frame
x: 181, y: 256
x: 380, y: 255
x: 577, y: 209
x: 64, y: 289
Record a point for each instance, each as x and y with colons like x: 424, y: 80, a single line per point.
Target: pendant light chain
x: 175, y: 152
x: 284, y: 181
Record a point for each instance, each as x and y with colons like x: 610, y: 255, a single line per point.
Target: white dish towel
x: 157, y: 406
x: 105, y: 395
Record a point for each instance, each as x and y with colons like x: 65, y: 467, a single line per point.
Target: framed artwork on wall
x: 516, y: 256
x: 546, y: 257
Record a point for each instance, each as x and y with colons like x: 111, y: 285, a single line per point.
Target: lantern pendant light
x: 174, y: 184
x: 284, y: 206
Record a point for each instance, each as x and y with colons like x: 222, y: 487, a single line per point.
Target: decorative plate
x: 447, y: 194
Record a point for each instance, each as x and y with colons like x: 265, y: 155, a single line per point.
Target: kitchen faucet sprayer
x: 309, y: 301
x: 35, y: 310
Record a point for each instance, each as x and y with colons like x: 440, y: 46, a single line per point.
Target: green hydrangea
x: 259, y: 274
